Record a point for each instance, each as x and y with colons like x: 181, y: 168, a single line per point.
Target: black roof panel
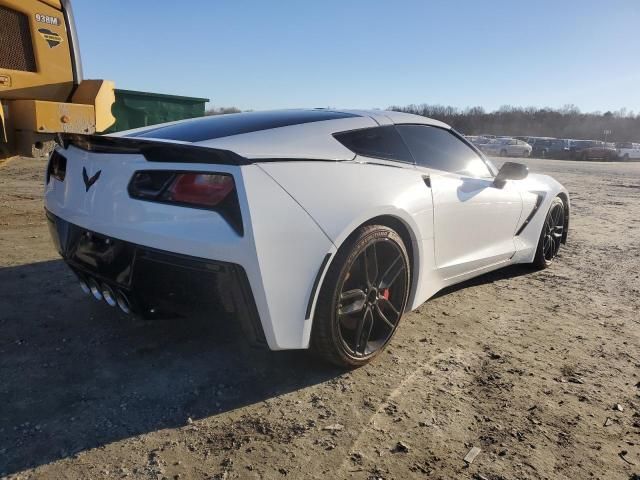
x: 217, y: 126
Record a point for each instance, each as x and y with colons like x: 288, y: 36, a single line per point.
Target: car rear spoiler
x: 152, y: 150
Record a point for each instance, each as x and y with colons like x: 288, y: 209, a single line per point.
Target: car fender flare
x: 370, y: 217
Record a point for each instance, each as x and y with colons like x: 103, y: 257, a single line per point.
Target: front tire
x: 551, y: 234
x: 362, y: 298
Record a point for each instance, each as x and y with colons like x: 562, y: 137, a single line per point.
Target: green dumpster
x: 134, y: 109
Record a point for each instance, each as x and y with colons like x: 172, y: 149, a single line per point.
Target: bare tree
x: 566, y: 122
x: 222, y: 110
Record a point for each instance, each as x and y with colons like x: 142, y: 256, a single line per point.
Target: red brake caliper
x: 385, y: 293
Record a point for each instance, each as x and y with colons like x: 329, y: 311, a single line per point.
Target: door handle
x: 427, y: 180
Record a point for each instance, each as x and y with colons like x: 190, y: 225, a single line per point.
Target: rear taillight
x: 57, y: 166
x: 199, y: 189
x: 211, y: 191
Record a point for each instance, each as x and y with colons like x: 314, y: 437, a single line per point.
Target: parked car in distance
x: 557, y: 148
x: 532, y: 140
x: 628, y: 150
x: 593, y: 150
x: 477, y: 140
x: 506, y: 147
x: 575, y: 145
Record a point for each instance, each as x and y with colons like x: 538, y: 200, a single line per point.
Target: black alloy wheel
x: 363, y: 297
x: 551, y: 234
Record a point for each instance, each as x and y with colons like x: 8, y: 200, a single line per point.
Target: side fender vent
x: 533, y: 212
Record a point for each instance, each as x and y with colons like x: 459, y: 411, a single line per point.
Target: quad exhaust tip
x: 95, y: 289
x: 123, y: 302
x: 102, y: 291
x: 108, y: 295
x: 84, y: 286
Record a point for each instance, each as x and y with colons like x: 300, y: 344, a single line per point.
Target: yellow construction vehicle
x: 42, y: 91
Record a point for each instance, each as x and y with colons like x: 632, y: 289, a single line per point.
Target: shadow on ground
x: 511, y: 271
x: 75, y: 374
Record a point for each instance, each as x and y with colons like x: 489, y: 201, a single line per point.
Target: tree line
x: 566, y: 122
x: 221, y: 110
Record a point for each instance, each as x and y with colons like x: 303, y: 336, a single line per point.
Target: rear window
x: 378, y: 142
x: 217, y: 126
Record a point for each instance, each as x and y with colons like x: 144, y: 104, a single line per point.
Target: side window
x: 437, y: 148
x: 379, y: 142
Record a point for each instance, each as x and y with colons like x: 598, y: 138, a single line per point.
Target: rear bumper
x: 157, y: 283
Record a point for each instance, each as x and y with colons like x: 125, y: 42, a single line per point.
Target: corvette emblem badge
x: 88, y: 182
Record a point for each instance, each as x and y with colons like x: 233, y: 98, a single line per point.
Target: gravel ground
x: 539, y: 370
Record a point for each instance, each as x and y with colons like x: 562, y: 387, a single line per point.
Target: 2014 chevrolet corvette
x: 315, y: 228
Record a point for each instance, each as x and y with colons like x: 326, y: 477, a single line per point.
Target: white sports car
x: 317, y: 228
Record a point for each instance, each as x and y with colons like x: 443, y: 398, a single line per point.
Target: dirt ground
x: 540, y: 370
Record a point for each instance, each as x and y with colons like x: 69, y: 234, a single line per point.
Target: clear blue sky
x: 369, y: 53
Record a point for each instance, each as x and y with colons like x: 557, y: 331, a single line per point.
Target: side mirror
x: 510, y: 171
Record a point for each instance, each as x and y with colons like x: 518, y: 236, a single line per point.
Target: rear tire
x: 363, y: 297
x: 550, y: 235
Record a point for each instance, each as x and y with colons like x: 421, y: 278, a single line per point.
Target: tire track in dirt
x: 388, y: 402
